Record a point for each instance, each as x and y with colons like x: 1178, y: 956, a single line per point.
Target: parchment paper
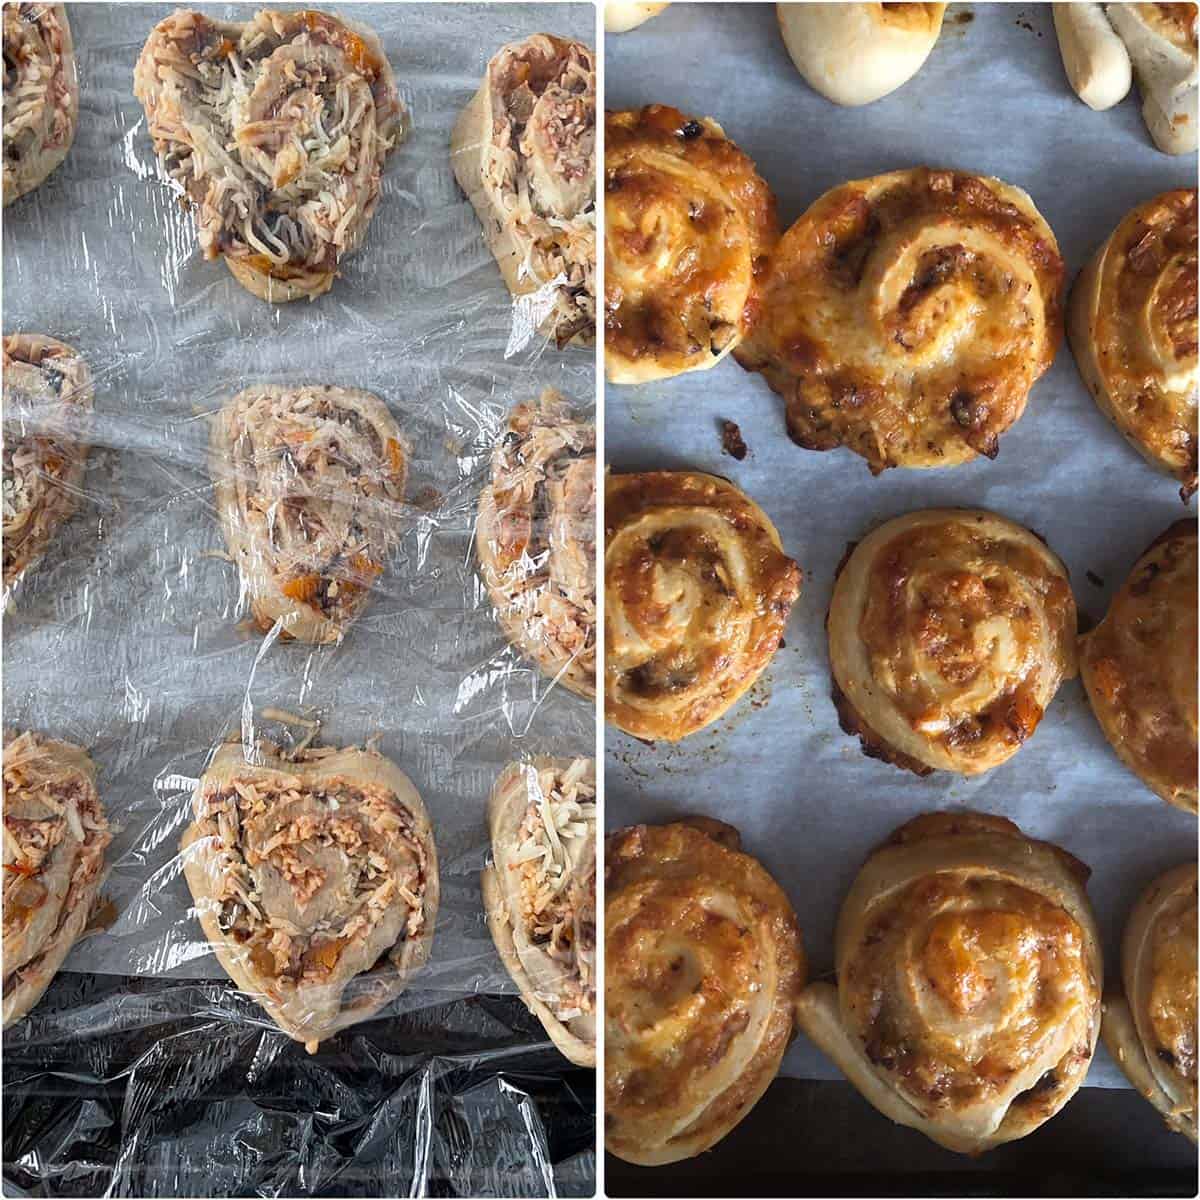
x: 129, y: 638
x: 992, y: 99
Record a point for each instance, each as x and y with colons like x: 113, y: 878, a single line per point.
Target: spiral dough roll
x: 907, y: 316
x: 697, y: 593
x: 1150, y: 1029
x: 277, y: 131
x: 703, y: 964
x: 949, y: 633
x: 1133, y: 331
x: 688, y: 223
x: 968, y: 964
x: 1139, y: 668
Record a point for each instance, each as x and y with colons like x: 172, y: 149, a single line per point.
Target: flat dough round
x: 703, y: 963
x: 1139, y: 668
x: 41, y: 94
x: 697, y: 592
x: 276, y: 129
x: 967, y: 1003
x: 1150, y: 1029
x: 950, y: 631
x: 907, y: 317
x: 688, y: 223
x: 1133, y: 330
x: 536, y: 539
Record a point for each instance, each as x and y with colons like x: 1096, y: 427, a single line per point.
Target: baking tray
x: 131, y: 639
x: 992, y: 98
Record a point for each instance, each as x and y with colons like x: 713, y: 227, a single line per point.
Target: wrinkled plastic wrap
x: 992, y: 98
x: 142, y: 1071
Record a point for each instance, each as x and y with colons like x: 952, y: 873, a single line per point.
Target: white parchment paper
x: 992, y: 99
x: 130, y: 637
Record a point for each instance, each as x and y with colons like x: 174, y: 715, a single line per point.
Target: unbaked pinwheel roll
x: 524, y: 152
x: 309, y: 486
x: 967, y: 1003
x: 857, y: 53
x: 540, y: 894
x: 1133, y: 330
x: 47, y: 405
x: 703, y: 963
x: 315, y: 879
x: 949, y: 633
x: 697, y: 592
x: 55, y: 835
x: 276, y: 130
x: 536, y: 539
x: 1151, y: 1029
x: 1139, y: 668
x: 907, y: 316
x: 688, y: 223
x: 41, y: 94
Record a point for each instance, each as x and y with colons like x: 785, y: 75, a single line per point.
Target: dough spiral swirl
x: 1139, y: 668
x: 1133, y: 330
x: 950, y: 631
x: 41, y: 94
x: 315, y: 879
x: 697, y: 594
x: 536, y: 539
x: 276, y: 130
x: 688, y: 223
x: 968, y: 996
x: 703, y: 963
x: 907, y: 317
x: 47, y: 407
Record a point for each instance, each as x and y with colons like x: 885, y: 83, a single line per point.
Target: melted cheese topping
x: 702, y: 965
x: 698, y: 591
x: 1144, y: 330
x: 1139, y: 668
x: 687, y: 223
x: 907, y: 317
x: 950, y: 632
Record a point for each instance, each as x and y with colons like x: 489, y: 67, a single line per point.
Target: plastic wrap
x: 143, y: 1071
x: 992, y: 98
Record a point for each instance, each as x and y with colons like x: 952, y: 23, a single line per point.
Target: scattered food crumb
x: 732, y: 441
x: 427, y: 499
x: 963, y: 18
x: 1094, y: 579
x: 782, y: 644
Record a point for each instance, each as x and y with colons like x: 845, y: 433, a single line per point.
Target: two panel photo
x: 600, y: 599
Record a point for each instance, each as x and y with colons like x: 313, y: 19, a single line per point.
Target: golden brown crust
x: 950, y: 631
x: 688, y: 221
x: 1133, y: 331
x: 969, y: 972
x: 703, y: 963
x: 697, y: 593
x: 1139, y: 668
x: 907, y: 316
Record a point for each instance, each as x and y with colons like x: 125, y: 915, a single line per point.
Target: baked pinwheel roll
x: 967, y: 1003
x: 536, y: 539
x: 697, y: 592
x: 1151, y: 1029
x: 55, y: 835
x: 524, y: 152
x: 276, y: 130
x: 41, y: 94
x: 950, y: 630
x: 1133, y: 330
x: 540, y: 894
x: 309, y: 486
x: 688, y: 223
x: 703, y: 963
x: 315, y: 879
x: 1139, y: 668
x: 47, y: 406
x: 907, y: 317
